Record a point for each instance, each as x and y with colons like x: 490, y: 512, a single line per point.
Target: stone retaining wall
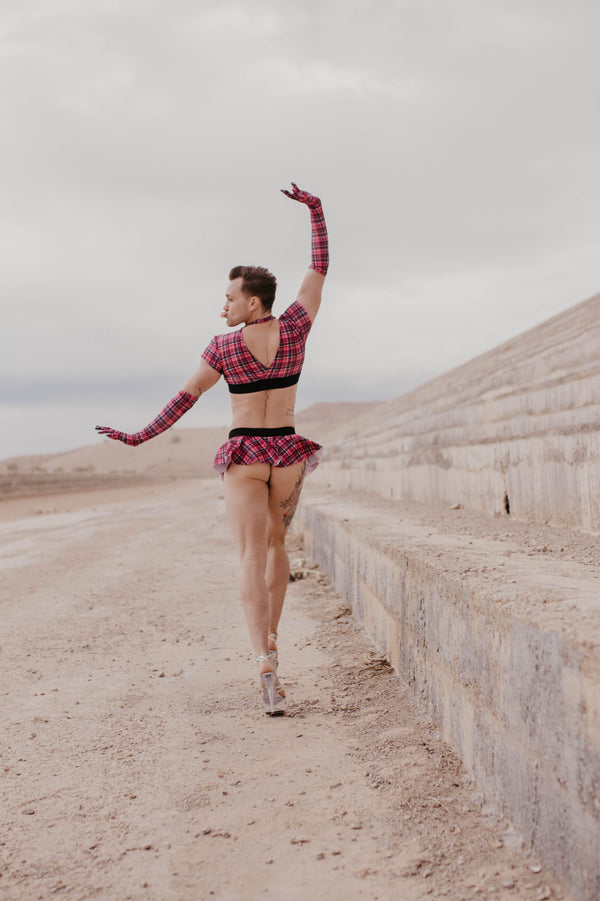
x: 500, y: 649
x: 501, y: 646
x: 516, y: 430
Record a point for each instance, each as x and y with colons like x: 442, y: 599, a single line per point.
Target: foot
x: 273, y: 694
x: 273, y: 691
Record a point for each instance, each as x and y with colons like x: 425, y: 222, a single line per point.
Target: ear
x: 255, y: 303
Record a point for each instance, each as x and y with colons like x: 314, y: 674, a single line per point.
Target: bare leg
x: 261, y: 501
x: 284, y: 494
x: 246, y: 501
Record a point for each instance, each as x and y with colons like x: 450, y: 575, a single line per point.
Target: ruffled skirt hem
x: 279, y: 450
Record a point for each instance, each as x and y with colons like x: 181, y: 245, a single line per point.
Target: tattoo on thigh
x: 290, y: 503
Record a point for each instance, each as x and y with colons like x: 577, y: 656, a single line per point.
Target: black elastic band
x: 263, y: 384
x: 263, y: 433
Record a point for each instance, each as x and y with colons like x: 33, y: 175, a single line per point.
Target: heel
x: 273, y: 701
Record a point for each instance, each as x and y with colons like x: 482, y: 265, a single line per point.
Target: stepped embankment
x: 460, y: 522
x: 516, y: 430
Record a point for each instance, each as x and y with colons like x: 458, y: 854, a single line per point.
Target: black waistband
x: 263, y: 433
x: 264, y: 384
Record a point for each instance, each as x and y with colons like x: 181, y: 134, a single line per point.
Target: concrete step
x: 495, y: 625
x: 517, y: 427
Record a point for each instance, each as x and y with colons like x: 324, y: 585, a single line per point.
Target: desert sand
x: 137, y: 762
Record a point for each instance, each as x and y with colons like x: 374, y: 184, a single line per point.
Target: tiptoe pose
x: 264, y: 461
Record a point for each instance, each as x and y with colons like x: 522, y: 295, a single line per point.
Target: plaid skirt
x: 279, y: 447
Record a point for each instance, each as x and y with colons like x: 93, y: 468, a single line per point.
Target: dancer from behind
x: 264, y: 461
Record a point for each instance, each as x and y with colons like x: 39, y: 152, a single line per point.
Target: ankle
x: 266, y: 662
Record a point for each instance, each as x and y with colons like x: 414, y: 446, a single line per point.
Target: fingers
x: 295, y: 193
x: 301, y: 196
x: 107, y: 432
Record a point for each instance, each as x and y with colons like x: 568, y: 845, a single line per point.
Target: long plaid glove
x: 319, y: 244
x: 174, y: 410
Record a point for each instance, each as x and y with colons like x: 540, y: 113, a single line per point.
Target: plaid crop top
x: 245, y: 374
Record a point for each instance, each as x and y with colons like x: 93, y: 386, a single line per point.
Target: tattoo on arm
x: 290, y: 503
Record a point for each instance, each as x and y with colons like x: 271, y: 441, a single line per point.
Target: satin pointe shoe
x: 273, y: 693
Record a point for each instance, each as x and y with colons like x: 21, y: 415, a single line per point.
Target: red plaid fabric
x: 279, y: 450
x: 229, y: 355
x: 320, y: 243
x: 173, y: 411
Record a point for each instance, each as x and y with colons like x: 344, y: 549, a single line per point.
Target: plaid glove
x: 319, y: 244
x: 174, y: 410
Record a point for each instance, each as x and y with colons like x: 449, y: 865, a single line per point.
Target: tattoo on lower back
x: 290, y: 503
x: 289, y: 411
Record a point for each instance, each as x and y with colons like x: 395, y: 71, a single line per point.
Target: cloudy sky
x: 455, y: 146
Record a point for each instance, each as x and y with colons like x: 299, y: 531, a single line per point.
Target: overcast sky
x: 455, y: 147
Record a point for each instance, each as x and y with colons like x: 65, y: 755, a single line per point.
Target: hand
x: 174, y: 410
x: 107, y: 432
x: 302, y: 196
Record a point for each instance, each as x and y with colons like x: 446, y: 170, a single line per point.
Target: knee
x: 276, y: 540
x: 253, y: 556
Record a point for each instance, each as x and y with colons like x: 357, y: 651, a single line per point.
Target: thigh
x: 247, y: 503
x: 285, y: 486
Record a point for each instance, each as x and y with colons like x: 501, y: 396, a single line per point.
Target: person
x: 264, y: 461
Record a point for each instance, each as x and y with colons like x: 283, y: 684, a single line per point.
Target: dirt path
x: 136, y: 762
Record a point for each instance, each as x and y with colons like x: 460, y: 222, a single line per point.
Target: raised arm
x: 203, y: 379
x: 312, y: 285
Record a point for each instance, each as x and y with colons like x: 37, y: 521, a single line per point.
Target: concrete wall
x: 506, y: 660
x: 508, y: 674
x: 517, y: 427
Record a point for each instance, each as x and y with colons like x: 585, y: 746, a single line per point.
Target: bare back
x: 272, y: 408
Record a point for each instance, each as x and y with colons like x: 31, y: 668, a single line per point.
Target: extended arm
x: 203, y: 379
x: 312, y: 286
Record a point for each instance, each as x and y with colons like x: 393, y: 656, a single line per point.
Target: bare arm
x: 312, y: 285
x: 203, y: 379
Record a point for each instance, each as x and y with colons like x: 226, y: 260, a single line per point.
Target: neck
x: 264, y: 319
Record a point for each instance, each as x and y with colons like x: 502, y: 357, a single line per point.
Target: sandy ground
x: 136, y: 761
